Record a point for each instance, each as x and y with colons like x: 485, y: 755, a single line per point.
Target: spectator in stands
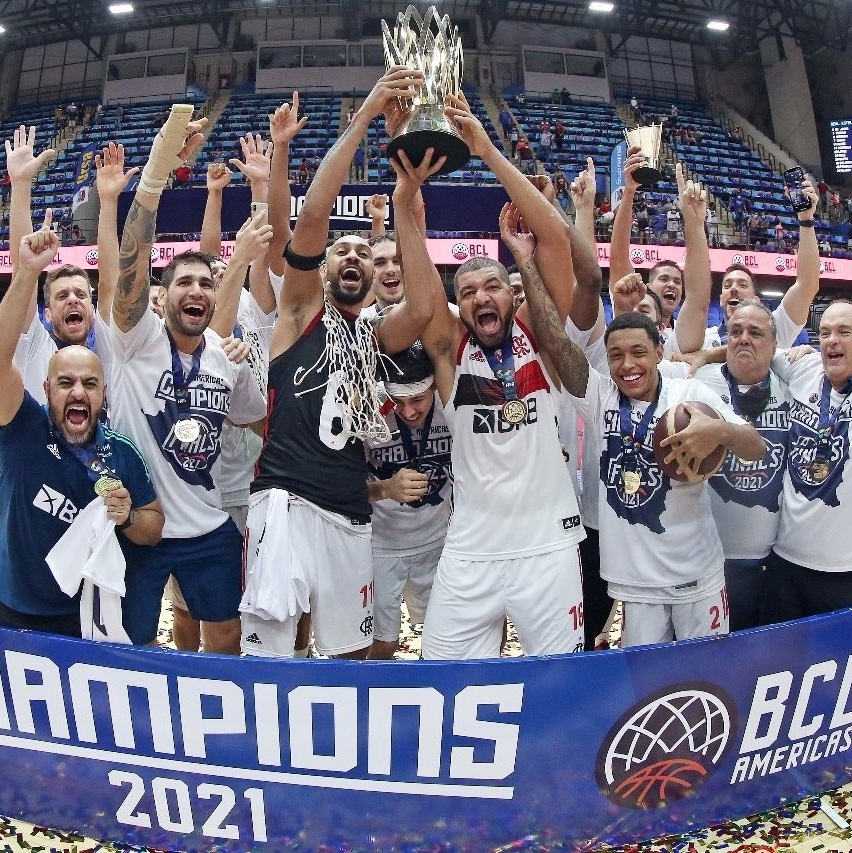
x: 779, y: 235
x: 672, y: 220
x: 739, y: 208
x: 525, y: 155
x: 545, y: 144
x: 520, y: 98
x: 565, y: 97
x: 66, y: 223
x: 822, y: 191
x: 673, y: 115
x: 358, y: 163
x: 635, y: 112
x: 5, y: 188
x: 513, y: 139
x: 303, y: 172
x: 737, y: 135
x: 834, y: 202
x: 98, y: 113
x: 505, y: 121
x: 78, y: 238
x: 59, y: 119
x: 825, y: 247
x: 711, y: 221
x: 555, y: 96
x: 642, y: 216
x: 118, y: 115
x: 558, y: 135
x: 71, y: 114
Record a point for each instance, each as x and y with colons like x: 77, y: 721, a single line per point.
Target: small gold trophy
x: 646, y: 137
x: 438, y: 54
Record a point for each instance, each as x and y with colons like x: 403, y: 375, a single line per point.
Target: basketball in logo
x: 155, y: 253
x: 780, y: 265
x: 666, y: 746
x: 92, y: 257
x: 460, y: 252
x: 821, y: 267
x: 738, y: 259
x: 637, y: 256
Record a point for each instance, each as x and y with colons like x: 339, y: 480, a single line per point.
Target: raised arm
x: 302, y: 293
x: 586, y: 306
x: 565, y: 356
x: 797, y: 300
x: 405, y: 322
x: 697, y: 281
x: 218, y: 177
x: 553, y: 251
x: 251, y: 243
x: 619, y: 247
x: 35, y: 252
x: 111, y: 180
x: 173, y: 145
x: 377, y: 209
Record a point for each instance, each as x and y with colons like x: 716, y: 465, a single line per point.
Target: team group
x: 290, y: 464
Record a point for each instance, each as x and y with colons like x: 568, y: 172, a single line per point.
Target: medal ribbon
x: 412, y: 453
x: 181, y: 382
x: 828, y: 422
x: 632, y: 439
x: 504, y: 368
x: 747, y: 404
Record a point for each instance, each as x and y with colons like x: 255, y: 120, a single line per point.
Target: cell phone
x: 793, y: 181
x: 260, y: 207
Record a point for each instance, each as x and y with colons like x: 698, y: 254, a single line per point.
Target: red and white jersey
x: 512, y: 493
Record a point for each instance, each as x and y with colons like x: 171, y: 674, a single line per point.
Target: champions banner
x: 84, y: 174
x: 181, y: 752
x: 616, y: 171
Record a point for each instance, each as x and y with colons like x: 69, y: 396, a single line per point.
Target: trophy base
x: 647, y: 176
x: 428, y: 128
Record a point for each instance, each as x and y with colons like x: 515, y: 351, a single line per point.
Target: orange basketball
x: 671, y: 423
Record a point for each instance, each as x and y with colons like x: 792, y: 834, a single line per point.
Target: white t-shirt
x: 662, y: 535
x: 32, y: 356
x: 746, y: 496
x: 142, y: 405
x: 815, y: 529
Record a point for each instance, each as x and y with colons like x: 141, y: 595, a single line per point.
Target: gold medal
x: 104, y: 485
x: 514, y: 411
x: 631, y: 480
x: 819, y: 470
x: 187, y: 430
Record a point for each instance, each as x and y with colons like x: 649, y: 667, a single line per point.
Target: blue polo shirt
x: 42, y: 488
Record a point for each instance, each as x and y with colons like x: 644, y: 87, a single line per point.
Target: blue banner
x: 181, y: 210
x: 616, y: 174
x: 187, y: 752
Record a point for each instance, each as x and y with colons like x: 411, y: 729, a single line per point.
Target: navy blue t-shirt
x: 42, y: 488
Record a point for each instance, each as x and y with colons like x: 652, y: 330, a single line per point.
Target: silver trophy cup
x: 432, y: 45
x: 647, y: 138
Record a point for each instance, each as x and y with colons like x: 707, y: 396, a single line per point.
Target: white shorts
x: 542, y: 595
x: 396, y: 576
x: 645, y: 623
x: 337, y: 559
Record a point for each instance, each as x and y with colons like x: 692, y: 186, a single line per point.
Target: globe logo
x: 738, y: 259
x: 666, y: 746
x: 780, y: 265
x: 460, y: 252
x: 92, y: 257
x: 637, y: 256
x: 154, y: 254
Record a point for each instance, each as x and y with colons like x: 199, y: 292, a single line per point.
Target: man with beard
x: 315, y: 554
x: 51, y: 460
x: 511, y: 548
x: 172, y: 389
x: 792, y: 314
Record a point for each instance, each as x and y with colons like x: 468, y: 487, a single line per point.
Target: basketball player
x: 312, y: 470
x: 410, y: 489
x: 173, y: 387
x: 511, y: 548
x: 811, y: 571
x: 660, y: 551
x: 51, y: 459
x: 792, y: 314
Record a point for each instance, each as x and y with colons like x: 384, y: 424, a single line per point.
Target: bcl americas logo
x: 666, y: 746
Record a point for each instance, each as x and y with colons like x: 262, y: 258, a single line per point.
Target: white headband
x: 411, y: 389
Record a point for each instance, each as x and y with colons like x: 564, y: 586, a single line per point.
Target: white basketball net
x: 351, y: 353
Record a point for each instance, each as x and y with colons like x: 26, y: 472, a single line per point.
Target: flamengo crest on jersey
x: 194, y: 461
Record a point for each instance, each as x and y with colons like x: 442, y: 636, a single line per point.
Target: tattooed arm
x: 566, y: 358
x: 176, y: 142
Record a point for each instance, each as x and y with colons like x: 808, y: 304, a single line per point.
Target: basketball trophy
x: 438, y: 54
x: 647, y: 138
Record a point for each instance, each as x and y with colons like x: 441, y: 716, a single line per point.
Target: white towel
x: 276, y: 581
x: 91, y: 539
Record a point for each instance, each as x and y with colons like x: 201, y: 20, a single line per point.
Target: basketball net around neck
x: 350, y: 357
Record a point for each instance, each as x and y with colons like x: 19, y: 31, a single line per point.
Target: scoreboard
x: 841, y: 144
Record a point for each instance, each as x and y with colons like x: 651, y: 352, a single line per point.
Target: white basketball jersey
x: 512, y: 493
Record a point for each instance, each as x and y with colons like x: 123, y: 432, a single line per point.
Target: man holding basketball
x: 660, y: 552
